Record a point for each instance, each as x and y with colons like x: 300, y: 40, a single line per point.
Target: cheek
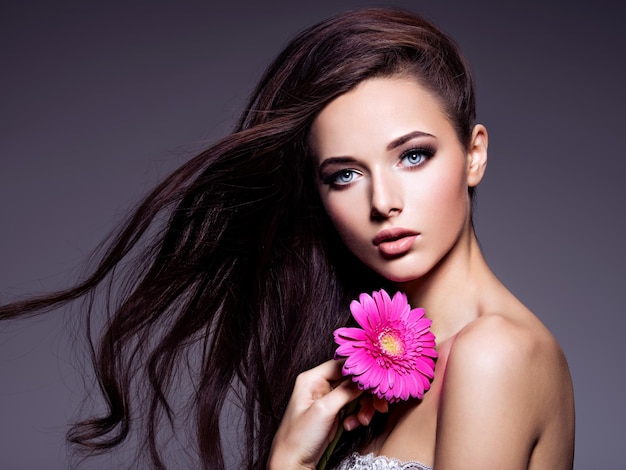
x: 445, y: 198
x: 347, y: 213
x: 342, y: 219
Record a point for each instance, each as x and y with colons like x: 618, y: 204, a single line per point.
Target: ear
x: 477, y: 155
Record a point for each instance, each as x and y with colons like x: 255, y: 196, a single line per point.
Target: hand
x: 312, y: 416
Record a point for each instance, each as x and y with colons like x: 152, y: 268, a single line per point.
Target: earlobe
x: 477, y: 155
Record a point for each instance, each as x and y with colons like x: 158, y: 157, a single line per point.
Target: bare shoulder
x: 495, y: 347
x: 518, y: 359
x: 506, y: 381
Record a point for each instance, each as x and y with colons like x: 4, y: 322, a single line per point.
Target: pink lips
x: 394, y: 241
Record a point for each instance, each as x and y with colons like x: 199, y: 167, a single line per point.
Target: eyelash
x: 425, y: 152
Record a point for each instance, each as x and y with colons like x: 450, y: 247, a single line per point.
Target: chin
x: 401, y: 279
x: 404, y: 269
x: 398, y: 276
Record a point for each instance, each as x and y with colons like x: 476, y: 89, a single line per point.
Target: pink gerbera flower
x: 392, y: 354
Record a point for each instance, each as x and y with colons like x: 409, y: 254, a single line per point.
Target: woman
x: 352, y: 169
x: 394, y: 179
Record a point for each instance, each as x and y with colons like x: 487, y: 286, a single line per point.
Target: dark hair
x: 242, y: 272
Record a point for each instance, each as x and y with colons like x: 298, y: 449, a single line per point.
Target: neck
x: 451, y: 293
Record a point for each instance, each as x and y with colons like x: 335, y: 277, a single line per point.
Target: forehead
x: 376, y: 112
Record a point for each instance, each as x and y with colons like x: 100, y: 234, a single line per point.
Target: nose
x: 386, y: 197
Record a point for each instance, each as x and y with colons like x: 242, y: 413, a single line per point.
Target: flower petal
x: 400, y: 307
x: 359, y: 314
x: 347, y: 333
x: 372, y: 312
x: 425, y: 367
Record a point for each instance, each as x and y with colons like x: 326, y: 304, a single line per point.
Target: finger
x: 351, y: 422
x: 368, y: 405
x: 330, y: 405
x: 380, y: 404
x: 362, y: 417
x: 330, y: 370
x: 318, y: 381
x: 323, y: 376
x: 345, y: 392
x: 366, y: 411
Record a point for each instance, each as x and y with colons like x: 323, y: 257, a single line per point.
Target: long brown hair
x: 232, y: 269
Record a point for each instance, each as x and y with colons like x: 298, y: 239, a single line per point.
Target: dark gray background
x: 99, y: 100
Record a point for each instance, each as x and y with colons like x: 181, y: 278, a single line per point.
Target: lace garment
x: 357, y: 461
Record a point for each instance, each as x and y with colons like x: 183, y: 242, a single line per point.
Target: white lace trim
x: 357, y: 461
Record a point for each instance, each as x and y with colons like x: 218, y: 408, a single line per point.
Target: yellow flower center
x: 390, y: 343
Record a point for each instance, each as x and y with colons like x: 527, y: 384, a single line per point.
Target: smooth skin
x: 502, y: 395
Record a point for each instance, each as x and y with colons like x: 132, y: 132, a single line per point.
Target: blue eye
x: 340, y: 179
x: 343, y: 177
x: 415, y: 157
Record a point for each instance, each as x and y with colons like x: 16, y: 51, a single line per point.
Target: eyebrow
x: 392, y: 145
x: 335, y: 160
x: 405, y: 138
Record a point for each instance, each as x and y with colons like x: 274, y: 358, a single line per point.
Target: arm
x: 503, y: 388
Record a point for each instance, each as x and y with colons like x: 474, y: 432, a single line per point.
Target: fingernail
x: 350, y: 423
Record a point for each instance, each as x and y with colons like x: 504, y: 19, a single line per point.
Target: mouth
x: 395, y: 241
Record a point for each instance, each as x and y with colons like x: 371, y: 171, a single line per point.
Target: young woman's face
x: 394, y: 177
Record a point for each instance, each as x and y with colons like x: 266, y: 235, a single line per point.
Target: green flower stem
x: 350, y: 408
